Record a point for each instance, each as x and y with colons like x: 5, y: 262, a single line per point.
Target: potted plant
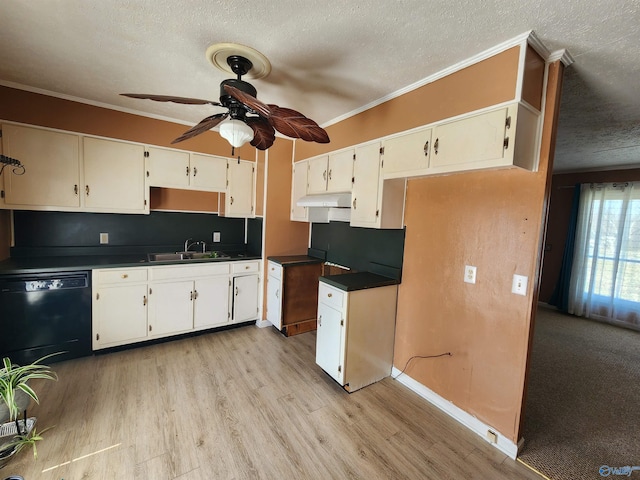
x: 16, y: 394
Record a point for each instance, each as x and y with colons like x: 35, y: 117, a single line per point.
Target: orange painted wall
x: 491, y: 219
x: 486, y: 83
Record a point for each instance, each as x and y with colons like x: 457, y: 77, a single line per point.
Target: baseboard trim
x: 503, y: 444
x: 263, y: 323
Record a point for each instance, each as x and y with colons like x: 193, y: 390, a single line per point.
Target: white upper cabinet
x: 114, y: 176
x: 407, y: 154
x: 299, y: 190
x: 179, y: 169
x: 240, y: 189
x: 331, y: 173
x: 208, y: 172
x: 52, y: 167
x: 504, y: 137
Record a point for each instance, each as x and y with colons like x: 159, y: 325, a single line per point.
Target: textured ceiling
x: 329, y: 58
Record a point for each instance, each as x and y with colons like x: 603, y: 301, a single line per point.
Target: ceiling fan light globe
x: 236, y: 132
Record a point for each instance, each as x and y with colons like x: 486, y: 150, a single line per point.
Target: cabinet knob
x: 329, y: 295
x: 246, y: 267
x: 125, y: 275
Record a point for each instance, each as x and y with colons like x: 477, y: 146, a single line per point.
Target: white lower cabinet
x: 140, y: 303
x: 119, y: 307
x: 355, y: 337
x: 246, y: 281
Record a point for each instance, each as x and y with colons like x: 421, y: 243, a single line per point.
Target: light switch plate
x: 519, y: 285
x: 469, y: 274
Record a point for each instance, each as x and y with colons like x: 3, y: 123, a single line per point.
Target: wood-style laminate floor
x: 246, y: 403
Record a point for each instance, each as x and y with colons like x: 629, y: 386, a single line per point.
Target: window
x: 605, y: 279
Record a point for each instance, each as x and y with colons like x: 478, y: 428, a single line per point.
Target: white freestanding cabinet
x: 274, y: 294
x: 354, y: 342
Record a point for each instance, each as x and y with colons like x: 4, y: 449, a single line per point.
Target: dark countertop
x: 50, y: 264
x: 358, y: 281
x: 285, y: 260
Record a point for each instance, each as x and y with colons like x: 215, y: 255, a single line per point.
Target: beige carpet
x: 583, y: 405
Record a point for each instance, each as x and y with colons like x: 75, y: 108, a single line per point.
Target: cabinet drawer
x: 245, y: 267
x: 330, y: 296
x: 275, y: 270
x: 122, y: 275
x: 188, y: 271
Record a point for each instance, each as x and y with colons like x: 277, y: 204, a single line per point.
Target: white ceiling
x: 329, y: 58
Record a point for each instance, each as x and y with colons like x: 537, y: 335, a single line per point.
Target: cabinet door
x: 274, y: 301
x: 114, y: 176
x: 407, y: 155
x: 168, y: 168
x: 299, y: 190
x: 211, y: 306
x: 120, y: 315
x: 470, y: 140
x: 329, y: 342
x: 170, y: 308
x: 366, y: 186
x: 239, y: 196
x: 208, y: 172
x: 340, y: 171
x: 245, y: 298
x: 317, y: 175
x: 52, y: 167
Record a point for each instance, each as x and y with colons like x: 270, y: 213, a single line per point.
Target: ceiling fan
x: 247, y: 118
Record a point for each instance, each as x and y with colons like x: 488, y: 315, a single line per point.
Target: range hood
x: 326, y: 200
x: 326, y: 207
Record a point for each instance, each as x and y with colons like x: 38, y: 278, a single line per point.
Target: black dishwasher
x: 45, y: 313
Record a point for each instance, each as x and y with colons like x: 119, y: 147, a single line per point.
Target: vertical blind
x: 605, y: 278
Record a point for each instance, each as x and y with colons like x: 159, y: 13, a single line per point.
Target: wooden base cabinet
x: 354, y: 343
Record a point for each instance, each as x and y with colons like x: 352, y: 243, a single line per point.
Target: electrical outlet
x: 216, y: 236
x: 469, y: 274
x: 104, y: 238
x: 519, y: 285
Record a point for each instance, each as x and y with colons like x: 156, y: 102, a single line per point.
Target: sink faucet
x: 188, y: 245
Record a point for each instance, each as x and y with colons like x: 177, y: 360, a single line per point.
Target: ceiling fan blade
x: 167, y: 98
x: 206, y: 124
x: 249, y: 100
x: 263, y: 133
x: 295, y: 124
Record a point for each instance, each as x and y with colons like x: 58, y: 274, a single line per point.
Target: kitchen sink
x: 181, y: 256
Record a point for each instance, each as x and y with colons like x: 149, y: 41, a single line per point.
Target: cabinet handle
x: 231, y: 200
x: 436, y: 145
x: 320, y: 321
x: 195, y: 171
x: 246, y: 267
x: 144, y: 300
x: 324, y: 175
x: 329, y: 174
x: 329, y: 295
x: 150, y: 328
x: 195, y: 294
x: 278, y: 293
x: 187, y: 171
x: 354, y: 203
x: 86, y: 189
x: 236, y: 291
x: 191, y: 296
x: 125, y: 275
x: 426, y: 148
x: 75, y: 189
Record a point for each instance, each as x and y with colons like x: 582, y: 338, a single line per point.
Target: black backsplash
x: 54, y: 232
x: 357, y: 247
